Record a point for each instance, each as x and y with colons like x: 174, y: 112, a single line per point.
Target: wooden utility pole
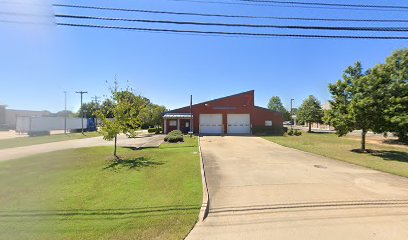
x: 65, y: 113
x: 82, y: 110
x: 191, y: 114
x: 95, y: 99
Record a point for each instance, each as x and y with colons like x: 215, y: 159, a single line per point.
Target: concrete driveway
x: 19, y: 152
x: 260, y: 190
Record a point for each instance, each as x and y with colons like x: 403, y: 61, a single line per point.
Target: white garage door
x: 239, y: 124
x: 211, y: 123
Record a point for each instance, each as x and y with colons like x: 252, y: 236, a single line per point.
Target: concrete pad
x: 261, y: 190
x: 123, y: 141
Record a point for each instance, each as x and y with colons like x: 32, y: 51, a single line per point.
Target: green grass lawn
x: 27, y: 141
x: 82, y: 194
x: 384, y: 158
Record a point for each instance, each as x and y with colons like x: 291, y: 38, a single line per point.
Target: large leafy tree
x: 125, y: 109
x: 152, y: 115
x: 310, y: 111
x: 106, y: 108
x: 353, y: 106
x: 389, y: 88
x: 376, y: 100
x: 90, y: 109
x: 275, y: 104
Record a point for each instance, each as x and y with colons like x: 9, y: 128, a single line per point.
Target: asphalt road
x: 260, y: 190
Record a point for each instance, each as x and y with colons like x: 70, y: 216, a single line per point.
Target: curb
x: 205, y: 206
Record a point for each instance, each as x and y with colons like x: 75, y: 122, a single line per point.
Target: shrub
x: 290, y: 133
x: 155, y: 130
x: 263, y: 130
x: 176, y: 132
x: 297, y: 133
x: 174, y: 136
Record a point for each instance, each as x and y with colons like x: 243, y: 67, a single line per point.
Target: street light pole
x: 82, y: 111
x: 291, y: 110
x: 65, y: 113
x: 191, y: 115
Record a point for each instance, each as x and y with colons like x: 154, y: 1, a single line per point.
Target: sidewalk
x: 19, y: 152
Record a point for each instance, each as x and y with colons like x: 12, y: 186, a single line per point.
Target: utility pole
x: 95, y: 99
x: 82, y: 110
x: 291, y: 110
x: 191, y: 115
x: 65, y: 113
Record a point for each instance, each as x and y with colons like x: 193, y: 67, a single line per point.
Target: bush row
x: 295, y: 132
x: 155, y: 130
x: 267, y: 130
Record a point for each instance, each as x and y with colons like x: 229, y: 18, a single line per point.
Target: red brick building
x: 235, y: 114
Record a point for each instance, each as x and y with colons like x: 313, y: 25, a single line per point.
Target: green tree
x: 125, y: 109
x: 152, y: 115
x: 90, y: 110
x: 353, y: 106
x: 275, y: 104
x: 310, y: 111
x: 389, y: 88
x: 107, y: 108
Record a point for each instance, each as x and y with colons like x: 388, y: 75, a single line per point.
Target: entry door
x: 211, y: 124
x: 239, y: 124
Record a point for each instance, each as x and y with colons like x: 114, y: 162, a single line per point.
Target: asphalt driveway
x: 261, y: 190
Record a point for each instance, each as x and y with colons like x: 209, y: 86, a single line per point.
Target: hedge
x: 267, y: 130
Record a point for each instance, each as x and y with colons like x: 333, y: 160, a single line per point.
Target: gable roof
x: 214, y: 100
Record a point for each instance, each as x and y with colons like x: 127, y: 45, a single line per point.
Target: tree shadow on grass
x: 135, y: 212
x: 386, y: 154
x: 131, y: 163
x: 395, y: 142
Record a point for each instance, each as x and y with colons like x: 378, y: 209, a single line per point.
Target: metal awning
x: 177, y: 115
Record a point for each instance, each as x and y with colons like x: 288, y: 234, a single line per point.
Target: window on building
x: 268, y: 123
x: 173, y: 123
x: 187, y: 124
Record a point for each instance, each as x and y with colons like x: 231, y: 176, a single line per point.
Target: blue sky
x: 39, y: 63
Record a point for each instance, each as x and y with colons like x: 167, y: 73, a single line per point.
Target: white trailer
x: 42, y: 124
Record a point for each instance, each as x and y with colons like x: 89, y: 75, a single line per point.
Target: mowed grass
x: 384, y: 158
x: 27, y: 141
x: 82, y: 194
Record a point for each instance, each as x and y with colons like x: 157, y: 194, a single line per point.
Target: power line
x: 270, y: 4
x: 376, y: 29
x: 223, y: 33
x: 231, y: 16
x: 329, y: 4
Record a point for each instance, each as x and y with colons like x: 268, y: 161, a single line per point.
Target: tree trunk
x: 114, y: 151
x: 363, y: 139
x: 310, y: 127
